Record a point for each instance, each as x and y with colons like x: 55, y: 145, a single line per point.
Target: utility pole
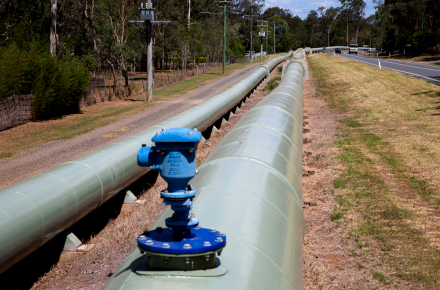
x: 251, y: 18
x: 274, y: 27
x: 147, y: 17
x: 53, y: 28
x: 224, y: 37
x: 328, y: 35
x: 252, y: 15
x: 224, y: 32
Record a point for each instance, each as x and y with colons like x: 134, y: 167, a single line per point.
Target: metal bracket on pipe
x: 293, y: 61
x: 267, y: 69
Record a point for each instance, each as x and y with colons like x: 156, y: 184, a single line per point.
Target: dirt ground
x: 328, y: 260
x: 115, y: 242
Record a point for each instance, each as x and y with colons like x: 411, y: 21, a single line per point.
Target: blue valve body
x: 174, y: 155
x: 175, y: 158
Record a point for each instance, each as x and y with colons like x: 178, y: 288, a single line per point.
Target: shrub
x: 57, y: 85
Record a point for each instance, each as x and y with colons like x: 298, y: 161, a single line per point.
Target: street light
x: 267, y: 32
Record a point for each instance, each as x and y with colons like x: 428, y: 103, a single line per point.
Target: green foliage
x: 57, y: 85
x: 89, y: 61
x: 236, y: 48
x: 272, y: 84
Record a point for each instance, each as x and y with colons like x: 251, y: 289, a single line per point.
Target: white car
x: 353, y: 49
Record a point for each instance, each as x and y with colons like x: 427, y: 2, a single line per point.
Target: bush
x: 57, y: 85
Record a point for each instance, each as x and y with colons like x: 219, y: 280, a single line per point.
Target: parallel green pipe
x: 250, y: 188
x: 37, y: 209
x: 298, y: 54
x: 318, y: 49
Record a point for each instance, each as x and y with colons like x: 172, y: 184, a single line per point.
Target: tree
x: 355, y: 11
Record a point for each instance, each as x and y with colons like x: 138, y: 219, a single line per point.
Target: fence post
x: 105, y: 89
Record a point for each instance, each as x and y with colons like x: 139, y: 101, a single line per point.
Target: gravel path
x: 52, y: 154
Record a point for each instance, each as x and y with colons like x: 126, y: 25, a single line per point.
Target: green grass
x: 272, y: 84
x: 336, y: 216
x: 378, y: 156
x: 380, y: 276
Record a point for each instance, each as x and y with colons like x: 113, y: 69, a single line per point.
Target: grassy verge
x: 388, y: 192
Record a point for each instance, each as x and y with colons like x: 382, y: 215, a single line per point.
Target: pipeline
x: 35, y: 210
x: 250, y: 188
x: 320, y: 49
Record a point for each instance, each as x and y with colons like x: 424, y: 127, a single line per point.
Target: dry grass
x: 388, y: 192
x: 115, y: 242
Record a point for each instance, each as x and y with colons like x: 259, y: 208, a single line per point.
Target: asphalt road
x: 424, y: 71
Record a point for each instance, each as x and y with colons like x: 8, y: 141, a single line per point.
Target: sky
x: 303, y: 7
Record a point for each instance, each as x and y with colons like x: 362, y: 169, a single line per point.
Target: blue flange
x: 162, y: 241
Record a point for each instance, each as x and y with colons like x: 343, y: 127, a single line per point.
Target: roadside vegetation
x: 57, y: 84
x: 388, y: 193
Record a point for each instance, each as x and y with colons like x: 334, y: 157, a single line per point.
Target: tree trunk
x: 347, y: 30
x: 53, y: 28
x: 125, y: 74
x: 163, y: 47
x: 357, y: 29
x: 115, y: 81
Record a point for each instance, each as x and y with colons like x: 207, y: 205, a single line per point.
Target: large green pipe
x: 250, y: 188
x: 35, y: 210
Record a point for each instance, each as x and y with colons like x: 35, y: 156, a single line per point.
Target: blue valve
x: 174, y: 155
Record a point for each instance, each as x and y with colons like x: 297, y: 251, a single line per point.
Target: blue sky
x: 306, y: 6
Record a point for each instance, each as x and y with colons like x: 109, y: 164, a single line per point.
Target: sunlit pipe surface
x: 37, y: 209
x: 250, y: 188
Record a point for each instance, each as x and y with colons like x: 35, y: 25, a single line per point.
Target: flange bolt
x: 207, y: 258
x: 220, y: 234
x: 213, y: 230
x: 190, y: 133
x: 149, y: 242
x: 166, y: 245
x: 206, y: 244
x: 187, y: 246
x: 142, y: 237
x: 219, y: 240
x: 157, y: 133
